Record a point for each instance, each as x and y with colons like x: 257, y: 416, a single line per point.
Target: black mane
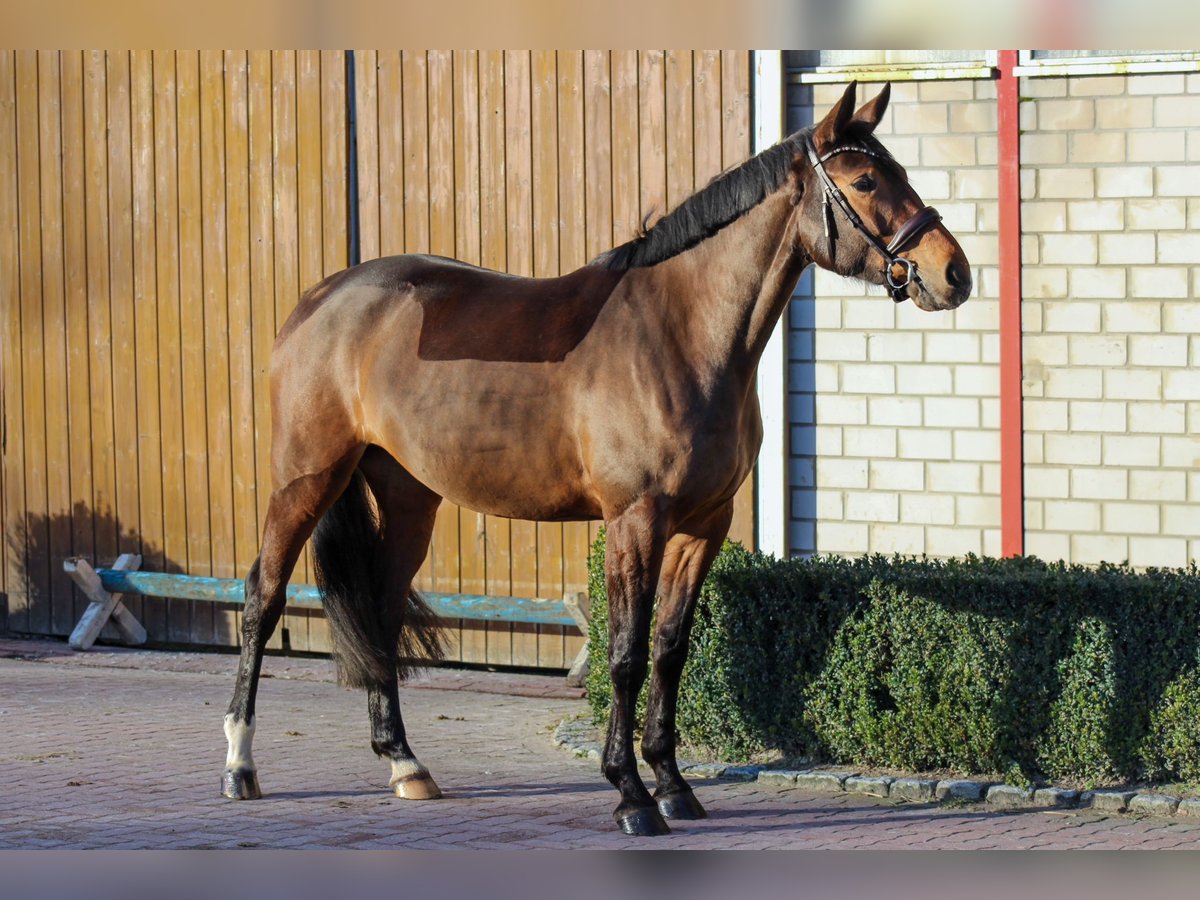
x: 727, y: 197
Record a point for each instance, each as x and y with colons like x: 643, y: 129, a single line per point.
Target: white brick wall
x: 903, y: 440
x: 1112, y: 401
x: 895, y: 435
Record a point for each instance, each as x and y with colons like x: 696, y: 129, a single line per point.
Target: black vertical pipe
x: 353, y: 250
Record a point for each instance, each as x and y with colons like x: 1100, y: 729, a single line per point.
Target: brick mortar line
x: 578, y: 737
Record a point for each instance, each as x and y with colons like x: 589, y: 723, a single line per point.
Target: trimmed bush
x: 973, y: 665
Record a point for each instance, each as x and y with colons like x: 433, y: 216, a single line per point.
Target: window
x: 1035, y: 63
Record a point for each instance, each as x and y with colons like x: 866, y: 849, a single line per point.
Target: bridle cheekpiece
x: 891, y: 251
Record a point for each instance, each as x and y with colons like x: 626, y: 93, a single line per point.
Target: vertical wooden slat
x: 310, y: 206
x: 444, y: 554
x: 9, y: 288
x: 626, y: 183
x: 521, y: 642
x: 170, y: 347
x: 415, y: 120
x: 572, y: 253
x: 333, y: 161
x: 169, y: 351
x: 15, y: 536
x: 214, y: 231
x: 519, y: 212
x: 121, y: 306
x: 145, y: 333
x: 333, y: 215
x: 518, y: 194
x: 95, y: 139
x: 391, y: 153
x: 735, y: 148
x: 678, y: 134
x: 241, y: 320
x: 261, y: 222
x: 468, y: 644
x: 58, y: 486
x: 33, y: 608
x: 79, y: 409
x: 494, y: 249
x: 366, y: 96
x: 546, y: 224
x: 652, y: 137
x: 416, y: 152
x: 284, y: 130
x: 192, y: 336
x: 706, y: 116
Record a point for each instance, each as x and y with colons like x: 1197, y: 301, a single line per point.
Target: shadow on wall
x: 43, y: 600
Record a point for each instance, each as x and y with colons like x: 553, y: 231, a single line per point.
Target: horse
x: 622, y: 391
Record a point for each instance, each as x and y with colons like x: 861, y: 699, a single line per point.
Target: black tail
x: 348, y: 548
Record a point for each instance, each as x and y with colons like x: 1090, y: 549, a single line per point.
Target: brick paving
x: 123, y: 749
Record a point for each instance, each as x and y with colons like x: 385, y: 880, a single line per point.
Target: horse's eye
x: 865, y: 184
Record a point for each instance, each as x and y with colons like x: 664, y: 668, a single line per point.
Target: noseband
x: 891, y: 251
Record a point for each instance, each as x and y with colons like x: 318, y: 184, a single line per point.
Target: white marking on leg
x: 405, y: 768
x: 240, y: 736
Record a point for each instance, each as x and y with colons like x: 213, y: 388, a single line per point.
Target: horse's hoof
x: 644, y: 821
x: 420, y: 786
x: 240, y: 785
x: 680, y: 805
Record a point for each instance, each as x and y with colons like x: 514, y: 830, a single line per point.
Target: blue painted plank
x: 232, y: 590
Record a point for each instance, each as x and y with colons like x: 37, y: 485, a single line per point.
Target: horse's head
x: 859, y: 216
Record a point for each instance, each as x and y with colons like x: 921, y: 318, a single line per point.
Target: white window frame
x: 1029, y: 66
x: 930, y: 71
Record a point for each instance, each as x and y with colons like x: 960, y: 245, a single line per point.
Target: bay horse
x: 623, y: 391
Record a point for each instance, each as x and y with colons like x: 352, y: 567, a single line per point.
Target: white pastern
x: 240, y: 736
x: 403, y: 768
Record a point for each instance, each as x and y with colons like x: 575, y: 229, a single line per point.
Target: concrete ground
x: 120, y: 748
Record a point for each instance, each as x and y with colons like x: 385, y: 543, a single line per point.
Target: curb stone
x: 960, y: 789
x: 1154, y: 805
x: 784, y: 777
x: 874, y: 786
x: 576, y: 735
x: 826, y: 782
x: 742, y: 773
x: 1055, y: 797
x: 1009, y: 796
x: 1188, y: 808
x: 919, y: 789
x: 1109, y: 801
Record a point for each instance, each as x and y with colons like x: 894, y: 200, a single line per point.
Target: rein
x: 891, y: 251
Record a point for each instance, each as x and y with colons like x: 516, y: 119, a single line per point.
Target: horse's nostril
x: 958, y: 276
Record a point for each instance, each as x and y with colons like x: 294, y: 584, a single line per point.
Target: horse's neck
x: 735, y: 285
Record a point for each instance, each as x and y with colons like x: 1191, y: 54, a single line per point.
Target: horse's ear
x: 827, y: 135
x: 872, y: 111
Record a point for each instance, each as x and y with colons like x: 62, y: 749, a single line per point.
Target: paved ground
x: 123, y: 749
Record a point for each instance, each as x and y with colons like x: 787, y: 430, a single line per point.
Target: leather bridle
x: 891, y: 251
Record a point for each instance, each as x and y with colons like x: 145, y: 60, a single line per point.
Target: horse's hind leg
x: 406, y: 510
x: 686, y: 562
x: 292, y: 514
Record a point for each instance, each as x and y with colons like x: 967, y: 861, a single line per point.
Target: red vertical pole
x: 1012, y: 482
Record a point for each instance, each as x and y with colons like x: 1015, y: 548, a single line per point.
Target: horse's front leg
x: 636, y: 539
x: 688, y: 557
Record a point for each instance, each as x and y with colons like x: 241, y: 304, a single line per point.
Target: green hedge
x: 976, y: 665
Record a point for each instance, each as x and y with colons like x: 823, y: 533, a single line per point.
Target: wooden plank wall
x: 160, y: 214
